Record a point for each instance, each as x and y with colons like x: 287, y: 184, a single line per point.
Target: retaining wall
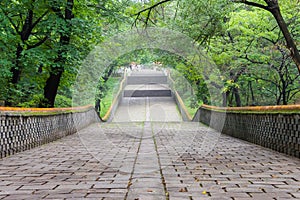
x: 180, y: 104
x: 274, y: 127
x: 23, y: 129
x: 108, y: 117
x: 181, y: 107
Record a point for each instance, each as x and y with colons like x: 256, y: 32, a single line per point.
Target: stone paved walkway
x: 142, y: 161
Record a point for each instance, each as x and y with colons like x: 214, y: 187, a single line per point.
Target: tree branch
x: 291, y: 96
x: 270, y: 40
x: 249, y: 3
x: 176, y: 11
x: 252, y: 61
x: 38, y: 43
x: 267, y: 80
x: 39, y: 19
x: 153, y: 6
x: 11, y: 21
x: 149, y: 9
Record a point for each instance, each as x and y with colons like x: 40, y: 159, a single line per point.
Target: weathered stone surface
x: 280, y: 132
x: 70, y: 169
x: 19, y: 133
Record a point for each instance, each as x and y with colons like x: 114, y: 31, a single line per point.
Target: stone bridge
x: 147, y: 151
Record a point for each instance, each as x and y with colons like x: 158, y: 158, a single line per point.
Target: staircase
x: 147, y: 98
x: 147, y: 83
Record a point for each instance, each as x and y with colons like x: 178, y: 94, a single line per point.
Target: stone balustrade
x: 22, y: 129
x: 274, y: 127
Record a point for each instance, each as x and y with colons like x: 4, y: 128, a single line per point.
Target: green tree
x: 249, y: 51
x: 64, y: 16
x: 22, y: 23
x: 273, y: 7
x: 44, y: 44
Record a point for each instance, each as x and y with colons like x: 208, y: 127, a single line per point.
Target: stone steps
x: 147, y: 83
x: 148, y: 90
x: 146, y: 79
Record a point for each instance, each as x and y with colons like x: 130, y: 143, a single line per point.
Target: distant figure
x: 134, y: 66
x: 157, y: 66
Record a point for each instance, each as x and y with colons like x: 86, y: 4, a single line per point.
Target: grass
x: 191, y: 111
x: 113, y: 84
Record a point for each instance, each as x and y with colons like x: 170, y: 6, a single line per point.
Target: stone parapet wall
x: 108, y: 117
x: 179, y: 102
x: 274, y: 127
x: 22, y: 129
x: 181, y: 107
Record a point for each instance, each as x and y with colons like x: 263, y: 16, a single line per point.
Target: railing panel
x: 274, y: 127
x: 22, y: 129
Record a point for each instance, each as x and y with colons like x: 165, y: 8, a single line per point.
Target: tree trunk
x: 273, y: 7
x: 237, y: 97
x: 16, y: 74
x: 50, y: 89
x: 230, y: 104
x: 278, y: 99
x: 205, y: 99
x: 288, y: 37
x: 52, y: 83
x: 105, y: 78
x: 16, y: 70
x: 24, y: 34
x: 252, y: 94
x: 284, y: 94
x: 98, y: 107
x: 225, y: 96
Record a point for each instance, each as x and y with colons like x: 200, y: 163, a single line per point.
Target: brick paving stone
x: 112, y: 164
x: 263, y: 196
x: 63, y: 196
x: 147, y: 197
x: 31, y: 196
x: 106, y: 195
x: 296, y: 194
x: 211, y: 198
x: 109, y: 186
